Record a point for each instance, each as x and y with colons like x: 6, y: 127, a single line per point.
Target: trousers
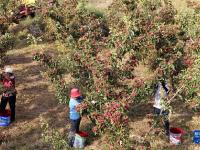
x: 165, y: 114
x: 11, y: 100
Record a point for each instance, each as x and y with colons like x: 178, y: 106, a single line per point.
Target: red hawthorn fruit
x: 125, y: 120
x: 117, y: 105
x: 62, y: 81
x: 100, y: 119
x: 94, y: 129
x: 133, y: 93
x: 126, y: 107
x: 126, y: 96
x: 188, y: 61
x: 168, y: 49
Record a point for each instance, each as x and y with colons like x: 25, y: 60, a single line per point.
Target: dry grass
x: 100, y: 4
x: 103, y: 4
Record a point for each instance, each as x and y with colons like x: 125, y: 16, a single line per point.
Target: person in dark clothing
x: 9, y: 92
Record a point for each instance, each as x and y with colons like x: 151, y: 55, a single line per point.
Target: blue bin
x: 4, y: 121
x: 196, y: 136
x: 5, y: 117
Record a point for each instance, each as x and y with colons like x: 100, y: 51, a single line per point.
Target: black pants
x: 11, y: 100
x: 75, y: 124
x: 165, y: 115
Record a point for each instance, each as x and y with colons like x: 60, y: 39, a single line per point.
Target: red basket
x: 83, y: 134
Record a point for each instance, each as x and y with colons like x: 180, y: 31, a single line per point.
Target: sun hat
x: 8, y: 70
x: 75, y: 92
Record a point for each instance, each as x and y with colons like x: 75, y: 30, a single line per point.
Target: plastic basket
x: 175, y: 135
x: 80, y: 139
x: 196, y: 136
x: 5, y: 118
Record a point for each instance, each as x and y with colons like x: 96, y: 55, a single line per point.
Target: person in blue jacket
x: 75, y: 117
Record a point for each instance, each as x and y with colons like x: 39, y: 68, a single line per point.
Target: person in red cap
x: 75, y: 117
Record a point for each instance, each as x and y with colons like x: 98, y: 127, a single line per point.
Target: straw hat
x: 8, y: 70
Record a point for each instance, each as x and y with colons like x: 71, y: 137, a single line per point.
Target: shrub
x: 53, y: 137
x: 7, y: 41
x: 22, y: 34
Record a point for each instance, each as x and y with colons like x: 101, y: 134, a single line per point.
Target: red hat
x: 75, y: 92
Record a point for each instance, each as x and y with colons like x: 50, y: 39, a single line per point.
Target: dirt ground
x: 100, y: 4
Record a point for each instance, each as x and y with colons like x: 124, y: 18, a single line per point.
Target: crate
x: 196, y: 136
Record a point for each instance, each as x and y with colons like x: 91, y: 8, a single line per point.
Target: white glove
x: 93, y: 102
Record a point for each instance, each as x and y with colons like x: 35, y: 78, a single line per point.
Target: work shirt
x: 160, y: 95
x: 9, y: 85
x: 74, y: 115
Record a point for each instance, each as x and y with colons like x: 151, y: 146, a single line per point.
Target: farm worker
x: 75, y: 117
x: 9, y: 92
x: 159, y: 104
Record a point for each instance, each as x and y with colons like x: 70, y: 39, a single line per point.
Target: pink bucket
x: 175, y: 135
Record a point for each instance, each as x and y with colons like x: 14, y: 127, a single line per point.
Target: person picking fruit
x: 159, y: 103
x: 9, y: 92
x: 74, y: 115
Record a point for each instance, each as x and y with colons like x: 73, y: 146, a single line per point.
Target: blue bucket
x: 196, y: 136
x: 5, y: 118
x: 4, y: 121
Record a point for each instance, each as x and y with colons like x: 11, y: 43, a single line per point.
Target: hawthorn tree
x: 6, y: 7
x: 101, y: 53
